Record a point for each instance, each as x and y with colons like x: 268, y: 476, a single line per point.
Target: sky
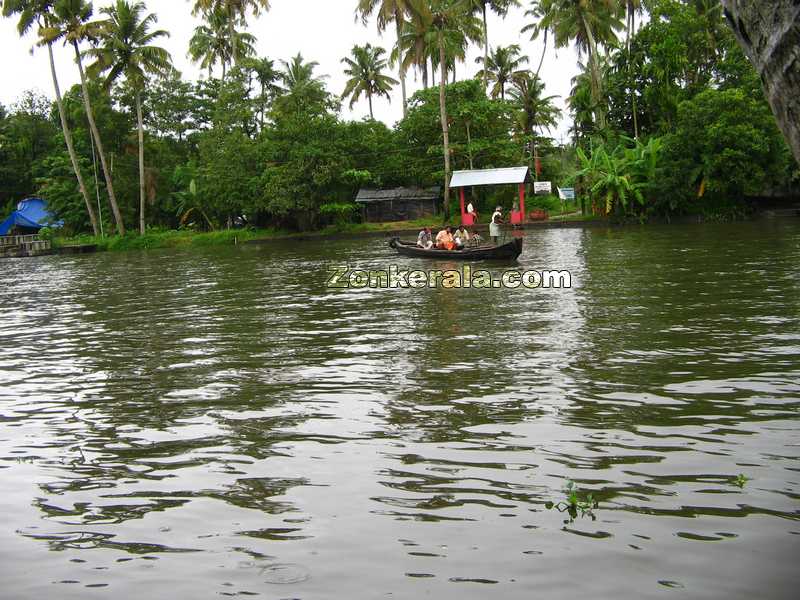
x: 321, y: 30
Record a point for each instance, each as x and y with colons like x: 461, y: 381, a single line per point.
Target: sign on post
x: 566, y: 193
x: 542, y: 187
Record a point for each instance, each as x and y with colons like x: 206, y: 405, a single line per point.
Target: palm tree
x: 301, y: 88
x: 589, y: 23
x: 534, y: 111
x: 539, y: 10
x: 412, y: 47
x: 125, y: 50
x: 267, y: 77
x: 503, y: 65
x: 444, y: 17
x: 631, y: 8
x: 500, y: 7
x: 211, y: 43
x: 389, y: 11
x: 40, y: 12
x: 237, y: 12
x: 365, y: 70
x: 71, y: 23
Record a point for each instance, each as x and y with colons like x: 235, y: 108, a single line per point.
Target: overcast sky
x: 322, y: 30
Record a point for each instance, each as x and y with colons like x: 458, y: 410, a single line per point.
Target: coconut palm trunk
x: 769, y: 34
x: 70, y: 147
x: 599, y: 112
x: 232, y: 36
x: 544, y: 52
x: 485, y: 47
x: 445, y: 127
x: 141, y: 161
x: 112, y: 198
x: 398, y: 19
x: 371, y: 114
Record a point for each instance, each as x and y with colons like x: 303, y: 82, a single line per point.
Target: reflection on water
x: 196, y: 424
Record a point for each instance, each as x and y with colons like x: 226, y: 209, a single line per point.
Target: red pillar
x: 522, y: 201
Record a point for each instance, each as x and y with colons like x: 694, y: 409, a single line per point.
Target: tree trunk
x: 544, y: 51
x: 599, y: 113
x: 485, y: 48
x: 141, y: 161
x: 398, y: 19
x: 232, y: 36
x: 70, y: 147
x: 369, y: 97
x: 445, y: 128
x: 112, y: 198
x: 631, y: 24
x: 425, y: 75
x: 769, y: 33
x: 469, y: 147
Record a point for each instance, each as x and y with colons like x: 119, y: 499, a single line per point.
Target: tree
x: 40, y: 12
x: 214, y: 42
x: 589, y: 23
x: 125, y: 49
x: 302, y: 91
x: 389, y: 11
x: 236, y: 11
x: 500, y: 7
x: 267, y: 76
x: 365, y: 70
x: 71, y: 23
x: 769, y: 33
x: 502, y: 66
x: 445, y: 17
x: 534, y: 111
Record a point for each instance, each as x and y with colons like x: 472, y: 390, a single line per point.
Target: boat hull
x: 509, y: 251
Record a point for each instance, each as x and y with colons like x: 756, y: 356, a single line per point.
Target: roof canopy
x: 367, y: 196
x: 32, y: 214
x: 490, y: 177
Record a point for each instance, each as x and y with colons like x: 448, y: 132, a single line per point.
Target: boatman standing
x: 494, y: 226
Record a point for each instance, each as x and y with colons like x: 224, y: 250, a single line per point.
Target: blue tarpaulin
x: 32, y: 214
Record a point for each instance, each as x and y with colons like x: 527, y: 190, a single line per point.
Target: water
x: 198, y: 424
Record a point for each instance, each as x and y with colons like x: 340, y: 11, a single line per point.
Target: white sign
x: 543, y: 187
x: 566, y: 193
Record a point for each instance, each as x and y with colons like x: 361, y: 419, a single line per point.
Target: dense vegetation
x: 668, y: 116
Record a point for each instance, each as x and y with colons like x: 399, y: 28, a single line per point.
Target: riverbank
x: 164, y: 239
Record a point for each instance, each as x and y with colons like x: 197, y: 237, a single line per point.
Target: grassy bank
x: 155, y: 239
x: 159, y: 238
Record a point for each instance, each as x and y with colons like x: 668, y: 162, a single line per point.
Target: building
x: 399, y: 204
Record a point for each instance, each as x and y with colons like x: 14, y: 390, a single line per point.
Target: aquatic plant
x: 576, y: 503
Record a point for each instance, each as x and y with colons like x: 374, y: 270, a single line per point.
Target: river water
x: 214, y: 423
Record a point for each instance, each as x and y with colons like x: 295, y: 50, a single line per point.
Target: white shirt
x: 470, y: 209
x: 496, y: 213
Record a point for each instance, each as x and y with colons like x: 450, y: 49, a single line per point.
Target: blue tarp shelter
x: 31, y: 214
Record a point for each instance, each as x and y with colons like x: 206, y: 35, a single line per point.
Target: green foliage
x: 725, y: 146
x: 620, y: 179
x: 478, y: 130
x: 576, y: 502
x: 741, y: 480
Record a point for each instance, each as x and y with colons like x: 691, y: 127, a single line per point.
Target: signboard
x: 543, y: 187
x: 566, y: 193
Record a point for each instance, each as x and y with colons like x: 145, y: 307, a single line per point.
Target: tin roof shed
x: 513, y: 175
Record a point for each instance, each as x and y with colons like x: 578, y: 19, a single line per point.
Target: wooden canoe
x: 509, y: 251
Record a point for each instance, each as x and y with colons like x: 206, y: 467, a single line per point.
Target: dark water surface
x: 196, y: 424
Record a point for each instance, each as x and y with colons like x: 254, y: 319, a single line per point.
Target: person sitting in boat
x: 444, y: 239
x: 475, y: 239
x: 425, y: 239
x: 494, y: 226
x: 461, y: 237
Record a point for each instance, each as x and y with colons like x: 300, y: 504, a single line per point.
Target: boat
x: 509, y: 251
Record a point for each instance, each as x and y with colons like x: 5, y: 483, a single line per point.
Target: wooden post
x: 463, y: 206
x: 522, y: 201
